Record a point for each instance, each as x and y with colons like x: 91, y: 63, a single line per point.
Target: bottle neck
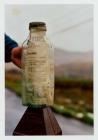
x: 37, y: 32
x: 37, y: 35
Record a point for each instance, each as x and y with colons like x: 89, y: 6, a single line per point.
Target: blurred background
x: 70, y: 29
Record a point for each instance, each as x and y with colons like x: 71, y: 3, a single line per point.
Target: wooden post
x: 38, y: 122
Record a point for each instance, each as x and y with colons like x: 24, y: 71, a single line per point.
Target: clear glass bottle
x: 38, y: 68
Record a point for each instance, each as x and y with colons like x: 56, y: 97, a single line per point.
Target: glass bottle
x: 37, y: 68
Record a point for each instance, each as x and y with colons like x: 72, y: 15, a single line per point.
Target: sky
x: 69, y: 27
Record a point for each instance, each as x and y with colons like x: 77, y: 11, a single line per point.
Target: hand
x: 16, y: 56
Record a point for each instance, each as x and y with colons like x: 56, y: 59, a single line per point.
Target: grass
x: 71, y: 112
x: 74, y: 82
x: 14, y: 86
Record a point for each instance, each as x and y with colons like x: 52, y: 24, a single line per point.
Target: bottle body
x: 38, y: 71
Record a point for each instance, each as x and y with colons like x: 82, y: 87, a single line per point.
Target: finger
x: 16, y: 56
x: 17, y: 62
x: 17, y: 52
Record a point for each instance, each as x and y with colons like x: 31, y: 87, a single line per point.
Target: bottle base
x: 34, y: 106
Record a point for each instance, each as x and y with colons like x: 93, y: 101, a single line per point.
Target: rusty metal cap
x: 40, y: 25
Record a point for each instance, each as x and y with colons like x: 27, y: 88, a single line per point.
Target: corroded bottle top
x: 38, y: 25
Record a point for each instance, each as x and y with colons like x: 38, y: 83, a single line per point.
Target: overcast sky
x: 70, y: 27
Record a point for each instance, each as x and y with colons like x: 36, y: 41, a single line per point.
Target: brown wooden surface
x: 51, y: 124
x: 38, y: 122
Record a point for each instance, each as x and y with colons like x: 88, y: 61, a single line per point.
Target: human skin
x: 16, y: 56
